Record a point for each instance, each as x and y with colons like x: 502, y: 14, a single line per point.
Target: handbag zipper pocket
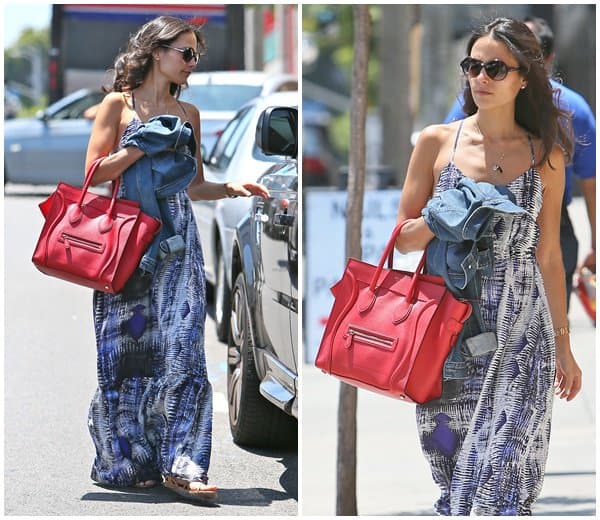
x: 369, y: 337
x: 83, y: 243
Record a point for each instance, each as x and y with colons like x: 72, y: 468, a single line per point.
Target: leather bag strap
x: 75, y: 213
x: 388, y: 253
x: 88, y: 180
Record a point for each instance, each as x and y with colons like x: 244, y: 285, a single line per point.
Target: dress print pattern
x: 486, y: 439
x: 152, y: 411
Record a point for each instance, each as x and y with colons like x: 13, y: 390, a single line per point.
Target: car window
x: 76, y: 109
x: 216, y: 97
x: 226, y: 146
x: 224, y: 138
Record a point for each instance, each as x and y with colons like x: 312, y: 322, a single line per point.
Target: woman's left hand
x: 246, y: 190
x: 567, y: 382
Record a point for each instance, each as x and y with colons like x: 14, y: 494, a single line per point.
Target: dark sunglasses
x: 188, y: 54
x: 495, y: 69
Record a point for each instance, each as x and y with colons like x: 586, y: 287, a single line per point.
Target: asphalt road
x: 50, y: 377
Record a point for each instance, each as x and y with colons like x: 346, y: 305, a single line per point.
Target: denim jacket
x: 462, y: 251
x: 167, y: 167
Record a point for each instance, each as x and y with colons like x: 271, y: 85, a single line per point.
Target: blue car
x: 51, y: 147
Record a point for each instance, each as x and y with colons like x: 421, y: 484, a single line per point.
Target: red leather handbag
x: 90, y: 239
x: 390, y: 331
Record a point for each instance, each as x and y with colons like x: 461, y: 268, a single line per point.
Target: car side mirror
x: 277, y: 131
x: 42, y: 115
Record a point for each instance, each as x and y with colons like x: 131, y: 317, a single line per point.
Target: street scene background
x: 49, y: 381
x: 55, y: 62
x: 413, y: 79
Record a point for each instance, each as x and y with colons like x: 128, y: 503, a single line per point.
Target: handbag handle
x: 75, y: 212
x: 388, y: 254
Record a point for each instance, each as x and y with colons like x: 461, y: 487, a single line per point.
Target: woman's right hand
x: 415, y: 235
x: 568, y: 374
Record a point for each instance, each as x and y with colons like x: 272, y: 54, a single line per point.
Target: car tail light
x: 314, y: 165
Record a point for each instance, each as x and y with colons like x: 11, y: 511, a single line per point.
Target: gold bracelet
x: 561, y: 331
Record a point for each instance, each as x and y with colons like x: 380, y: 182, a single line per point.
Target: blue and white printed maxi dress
x: 152, y: 412
x: 487, y: 442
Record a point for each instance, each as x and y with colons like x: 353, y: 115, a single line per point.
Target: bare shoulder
x: 436, y: 136
x: 114, y: 100
x: 111, y: 106
x: 191, y: 110
x: 555, y: 161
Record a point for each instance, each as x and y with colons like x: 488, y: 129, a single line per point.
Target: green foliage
x: 31, y: 111
x: 17, y: 68
x: 35, y: 38
x: 337, y: 37
x: 339, y: 133
x: 333, y: 29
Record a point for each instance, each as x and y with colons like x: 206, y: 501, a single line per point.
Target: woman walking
x: 486, y: 439
x: 151, y: 416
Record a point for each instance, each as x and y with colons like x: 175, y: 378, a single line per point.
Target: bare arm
x: 201, y: 189
x: 416, y: 191
x: 549, y: 257
x: 103, y: 140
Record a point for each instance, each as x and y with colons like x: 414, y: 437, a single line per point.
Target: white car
x: 219, y: 95
x: 235, y: 158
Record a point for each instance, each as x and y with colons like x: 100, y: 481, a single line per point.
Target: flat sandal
x: 182, y: 487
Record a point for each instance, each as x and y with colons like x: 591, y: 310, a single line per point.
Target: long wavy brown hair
x: 132, y: 66
x: 536, y: 106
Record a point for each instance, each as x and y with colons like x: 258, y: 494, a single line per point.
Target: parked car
x: 320, y: 164
x: 50, y: 147
x: 262, y: 360
x: 12, y: 103
x: 219, y: 95
x: 235, y: 157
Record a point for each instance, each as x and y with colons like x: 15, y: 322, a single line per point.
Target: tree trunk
x: 436, y: 65
x: 346, y: 456
x: 395, y: 87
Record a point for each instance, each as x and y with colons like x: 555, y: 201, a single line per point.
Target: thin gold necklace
x: 496, y: 168
x: 150, y: 103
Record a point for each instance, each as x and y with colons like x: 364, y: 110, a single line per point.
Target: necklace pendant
x: 497, y: 169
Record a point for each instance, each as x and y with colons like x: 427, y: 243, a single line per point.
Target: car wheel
x: 222, y: 301
x: 252, y: 419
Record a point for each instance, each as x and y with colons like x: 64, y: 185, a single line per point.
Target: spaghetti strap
x: 182, y: 109
x: 531, y: 150
x: 133, y: 105
x: 456, y: 140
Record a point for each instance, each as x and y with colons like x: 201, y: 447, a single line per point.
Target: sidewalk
x: 393, y: 477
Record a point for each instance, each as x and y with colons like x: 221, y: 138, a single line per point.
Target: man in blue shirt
x: 584, y: 156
